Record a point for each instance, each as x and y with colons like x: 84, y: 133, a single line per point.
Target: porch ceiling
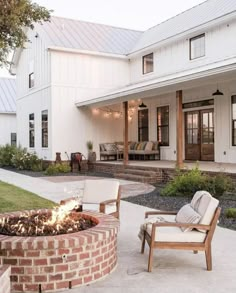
x: 166, y: 84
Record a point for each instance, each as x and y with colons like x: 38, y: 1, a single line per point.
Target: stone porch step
x: 138, y: 178
x: 146, y: 173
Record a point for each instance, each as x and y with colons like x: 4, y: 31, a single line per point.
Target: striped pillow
x: 187, y: 215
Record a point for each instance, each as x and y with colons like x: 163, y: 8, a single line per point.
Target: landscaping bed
x: 174, y: 203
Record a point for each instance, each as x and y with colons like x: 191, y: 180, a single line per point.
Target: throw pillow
x: 149, y: 146
x: 187, y: 215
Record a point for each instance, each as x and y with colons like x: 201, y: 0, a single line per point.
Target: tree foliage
x: 15, y: 16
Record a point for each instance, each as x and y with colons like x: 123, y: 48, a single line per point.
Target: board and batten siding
x: 89, y: 75
x: 78, y: 77
x: 173, y: 58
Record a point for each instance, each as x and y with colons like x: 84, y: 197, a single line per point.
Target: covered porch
x: 199, y: 118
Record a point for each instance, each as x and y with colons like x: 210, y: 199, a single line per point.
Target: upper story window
x: 45, y: 128
x: 233, y: 120
x: 143, y: 125
x: 31, y: 74
x: 197, y: 47
x: 148, y: 63
x: 31, y: 130
x: 163, y: 125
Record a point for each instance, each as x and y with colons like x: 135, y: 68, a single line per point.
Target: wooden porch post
x: 125, y: 132
x: 179, y: 129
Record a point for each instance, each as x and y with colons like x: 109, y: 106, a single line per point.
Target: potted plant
x: 91, y: 154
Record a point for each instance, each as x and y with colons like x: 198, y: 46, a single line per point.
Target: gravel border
x: 174, y: 203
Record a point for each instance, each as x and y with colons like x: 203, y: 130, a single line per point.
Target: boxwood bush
x: 187, y: 183
x: 57, y: 168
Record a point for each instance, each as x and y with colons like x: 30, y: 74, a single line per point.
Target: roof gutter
x: 87, y: 52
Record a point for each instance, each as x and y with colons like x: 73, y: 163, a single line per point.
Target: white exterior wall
x: 77, y: 77
x: 7, y: 126
x: 36, y: 99
x: 174, y: 57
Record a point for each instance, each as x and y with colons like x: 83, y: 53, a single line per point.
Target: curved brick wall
x: 63, y: 261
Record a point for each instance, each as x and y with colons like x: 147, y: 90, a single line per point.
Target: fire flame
x: 57, y: 217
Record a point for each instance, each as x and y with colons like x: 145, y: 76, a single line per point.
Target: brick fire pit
x: 48, y: 263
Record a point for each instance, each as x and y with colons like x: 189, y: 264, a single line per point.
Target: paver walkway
x: 173, y: 271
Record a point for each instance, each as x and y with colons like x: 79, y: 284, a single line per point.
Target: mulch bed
x: 167, y: 203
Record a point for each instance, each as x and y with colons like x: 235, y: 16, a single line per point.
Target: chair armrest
x: 106, y: 202
x: 186, y: 225
x: 160, y: 213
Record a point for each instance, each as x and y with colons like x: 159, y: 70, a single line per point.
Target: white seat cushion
x: 96, y: 191
x: 111, y: 208
x: 175, y: 234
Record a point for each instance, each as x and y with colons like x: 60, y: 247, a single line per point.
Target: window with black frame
x: 31, y: 130
x: 143, y: 125
x: 163, y: 125
x: 45, y: 128
x: 148, y: 63
x: 233, y: 98
x: 13, y: 139
x: 197, y: 47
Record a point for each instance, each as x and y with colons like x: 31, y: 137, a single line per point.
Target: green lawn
x: 13, y: 198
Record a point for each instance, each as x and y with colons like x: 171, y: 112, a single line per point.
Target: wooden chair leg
x: 143, y: 244
x: 150, y: 258
x: 208, y: 258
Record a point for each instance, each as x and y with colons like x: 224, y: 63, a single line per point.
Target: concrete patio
x: 173, y: 271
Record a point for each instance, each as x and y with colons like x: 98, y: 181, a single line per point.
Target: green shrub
x: 231, y: 213
x: 57, y: 168
x: 6, y: 153
x: 186, y: 184
x: 23, y: 160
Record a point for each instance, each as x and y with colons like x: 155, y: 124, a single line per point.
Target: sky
x: 132, y: 14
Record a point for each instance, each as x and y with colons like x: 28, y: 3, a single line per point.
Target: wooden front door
x: 199, y: 135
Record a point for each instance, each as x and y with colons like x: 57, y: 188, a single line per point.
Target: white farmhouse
x: 74, y: 76
x: 7, y: 111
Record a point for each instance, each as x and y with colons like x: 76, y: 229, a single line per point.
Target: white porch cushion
x: 96, y: 191
x: 204, y: 204
x: 175, y: 234
x: 187, y: 215
x: 111, y: 208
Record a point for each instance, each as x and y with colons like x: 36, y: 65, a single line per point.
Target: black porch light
x: 217, y: 93
x: 142, y: 105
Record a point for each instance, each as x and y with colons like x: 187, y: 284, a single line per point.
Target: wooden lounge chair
x: 102, y: 195
x: 169, y: 234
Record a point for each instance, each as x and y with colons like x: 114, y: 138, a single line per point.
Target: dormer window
x: 197, y: 47
x: 31, y: 74
x: 148, y: 63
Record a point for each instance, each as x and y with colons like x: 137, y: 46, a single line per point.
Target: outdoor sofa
x: 146, y: 150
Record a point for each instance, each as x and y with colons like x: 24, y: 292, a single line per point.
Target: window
x: 233, y: 120
x: 31, y: 74
x: 163, y: 125
x: 197, y: 47
x: 13, y: 139
x: 143, y: 125
x: 31, y: 130
x: 148, y: 63
x: 45, y: 129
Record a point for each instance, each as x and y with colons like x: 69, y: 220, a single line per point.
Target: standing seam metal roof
x: 75, y: 34
x: 187, y: 20
x: 7, y: 95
